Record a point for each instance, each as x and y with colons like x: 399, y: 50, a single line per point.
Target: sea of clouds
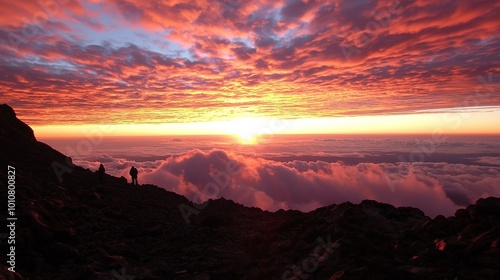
x: 434, y: 187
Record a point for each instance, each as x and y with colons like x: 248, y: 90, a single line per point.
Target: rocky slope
x: 79, y: 229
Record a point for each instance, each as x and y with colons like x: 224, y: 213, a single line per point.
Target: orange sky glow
x: 247, y: 128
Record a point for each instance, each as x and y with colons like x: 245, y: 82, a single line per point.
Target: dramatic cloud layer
x: 67, y: 61
x: 436, y: 188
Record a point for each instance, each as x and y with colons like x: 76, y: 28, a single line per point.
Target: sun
x: 247, y: 138
x: 247, y: 130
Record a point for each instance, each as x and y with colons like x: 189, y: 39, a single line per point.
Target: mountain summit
x: 12, y: 128
x: 70, y: 226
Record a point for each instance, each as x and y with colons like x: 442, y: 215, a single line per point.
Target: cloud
x: 436, y: 188
x: 489, y: 160
x: 95, y: 61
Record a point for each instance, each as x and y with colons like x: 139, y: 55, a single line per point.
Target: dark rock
x: 484, y: 240
x: 450, y: 245
x: 66, y: 235
x: 213, y: 221
x: 440, y: 226
x: 123, y: 181
x: 488, y: 206
x: 59, y: 253
x: 134, y: 231
x: 462, y: 213
x: 407, y: 212
x: 471, y: 231
x: 12, y: 127
x: 222, y: 275
x: 5, y: 274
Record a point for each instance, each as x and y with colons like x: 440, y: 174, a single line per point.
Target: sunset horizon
x: 444, y: 123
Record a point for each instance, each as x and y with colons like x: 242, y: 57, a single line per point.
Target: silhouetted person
x: 101, y: 172
x: 133, y: 173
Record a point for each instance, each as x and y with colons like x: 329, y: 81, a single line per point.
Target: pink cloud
x: 436, y: 188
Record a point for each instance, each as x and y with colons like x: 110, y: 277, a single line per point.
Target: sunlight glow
x: 248, y: 129
x: 247, y: 138
x: 251, y: 131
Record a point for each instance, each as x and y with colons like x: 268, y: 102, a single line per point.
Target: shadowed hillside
x: 71, y: 227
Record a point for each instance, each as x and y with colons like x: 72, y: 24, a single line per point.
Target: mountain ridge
x: 69, y: 226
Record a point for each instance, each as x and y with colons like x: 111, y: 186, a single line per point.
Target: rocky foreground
x: 78, y: 228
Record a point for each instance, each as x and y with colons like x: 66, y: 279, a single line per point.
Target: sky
x: 184, y: 67
x: 94, y: 70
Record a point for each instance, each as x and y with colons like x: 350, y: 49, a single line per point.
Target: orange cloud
x: 184, y: 61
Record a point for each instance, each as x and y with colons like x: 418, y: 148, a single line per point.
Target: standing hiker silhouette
x: 133, y: 173
x: 101, y: 172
